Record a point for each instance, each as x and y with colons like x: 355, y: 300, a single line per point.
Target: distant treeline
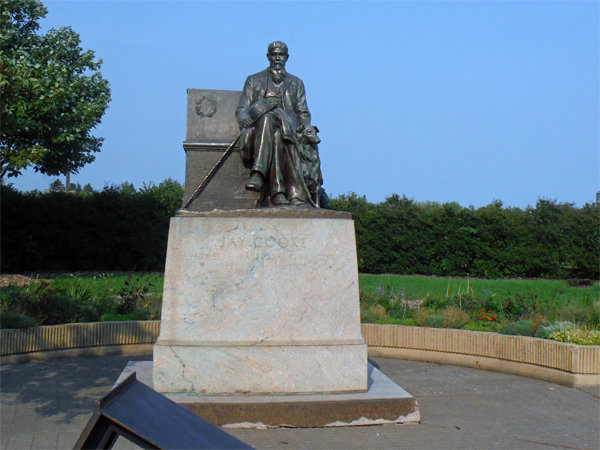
x: 116, y: 229
x: 402, y: 236
x: 121, y: 228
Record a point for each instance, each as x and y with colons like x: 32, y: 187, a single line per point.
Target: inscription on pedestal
x: 271, y: 302
x: 293, y: 242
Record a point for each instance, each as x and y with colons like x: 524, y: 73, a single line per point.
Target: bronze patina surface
x: 276, y: 135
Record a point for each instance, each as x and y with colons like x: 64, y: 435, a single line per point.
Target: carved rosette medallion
x: 206, y: 106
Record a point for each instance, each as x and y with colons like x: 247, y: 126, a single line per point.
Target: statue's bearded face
x: 277, y: 58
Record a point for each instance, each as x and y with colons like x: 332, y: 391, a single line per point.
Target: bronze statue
x: 276, y: 136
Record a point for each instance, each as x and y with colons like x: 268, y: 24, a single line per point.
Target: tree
x: 52, y: 94
x: 56, y: 186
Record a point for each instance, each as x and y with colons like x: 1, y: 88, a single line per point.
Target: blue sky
x: 443, y: 101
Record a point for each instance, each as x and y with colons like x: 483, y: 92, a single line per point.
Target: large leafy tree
x: 52, y: 94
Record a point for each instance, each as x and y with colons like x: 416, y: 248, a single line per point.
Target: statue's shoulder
x: 293, y: 78
x: 258, y: 76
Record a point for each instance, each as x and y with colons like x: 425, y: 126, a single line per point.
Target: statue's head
x: 277, y: 54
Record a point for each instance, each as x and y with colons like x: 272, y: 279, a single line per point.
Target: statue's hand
x: 245, y: 121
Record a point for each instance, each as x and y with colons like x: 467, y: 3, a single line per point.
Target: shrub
x: 520, y: 328
x: 408, y: 322
x: 477, y: 326
x: 573, y: 312
x: 135, y: 315
x: 48, y: 303
x: 13, y: 320
x: 578, y: 335
x: 69, y: 301
x: 134, y: 291
x: 545, y: 332
x: 435, y: 321
x: 454, y: 317
x: 449, y: 317
x: 378, y: 311
x: 422, y: 316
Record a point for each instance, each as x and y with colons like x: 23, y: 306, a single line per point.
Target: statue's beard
x: 278, y: 75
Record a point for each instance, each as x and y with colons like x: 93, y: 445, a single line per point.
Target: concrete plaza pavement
x: 46, y: 405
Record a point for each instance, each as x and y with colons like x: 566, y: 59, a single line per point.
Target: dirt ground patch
x: 15, y: 280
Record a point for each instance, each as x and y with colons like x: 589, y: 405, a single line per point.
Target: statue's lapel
x: 264, y: 80
x: 286, y: 83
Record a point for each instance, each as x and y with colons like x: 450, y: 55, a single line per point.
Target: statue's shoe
x: 256, y: 182
x: 279, y: 199
x: 297, y: 202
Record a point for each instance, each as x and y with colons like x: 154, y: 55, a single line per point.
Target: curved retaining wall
x: 78, y: 335
x: 540, y: 358
x: 579, y: 359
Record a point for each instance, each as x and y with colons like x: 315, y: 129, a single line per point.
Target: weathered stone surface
x: 272, y: 301
x: 256, y: 281
x: 207, y: 138
x: 384, y: 402
x: 290, y: 369
x: 222, y: 126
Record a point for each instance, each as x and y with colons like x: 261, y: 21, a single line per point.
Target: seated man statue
x: 271, y: 109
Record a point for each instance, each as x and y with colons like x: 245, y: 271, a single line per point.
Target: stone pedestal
x: 384, y: 402
x: 261, y: 301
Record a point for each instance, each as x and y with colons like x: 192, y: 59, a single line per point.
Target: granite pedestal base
x: 261, y: 301
x: 260, y: 369
x: 384, y: 402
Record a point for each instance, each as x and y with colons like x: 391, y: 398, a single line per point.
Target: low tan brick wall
x: 575, y: 359
x: 570, y: 358
x: 78, y: 335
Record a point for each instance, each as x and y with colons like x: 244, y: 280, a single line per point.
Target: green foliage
x: 435, y: 321
x: 548, y: 330
x: 48, y: 303
x: 401, y: 236
x: 107, y: 230
x: 449, y: 317
x: 492, y: 301
x: 518, y: 307
x: 71, y: 300
x: 578, y: 335
x: 134, y: 291
x: 56, y: 185
x: 475, y: 325
x: 14, y: 320
x: 520, y: 328
x: 134, y: 315
x: 53, y: 94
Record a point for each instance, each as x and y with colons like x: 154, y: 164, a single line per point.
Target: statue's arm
x: 302, y: 107
x: 241, y: 112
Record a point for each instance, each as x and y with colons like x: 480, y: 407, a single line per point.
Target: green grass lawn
x: 417, y: 288
x: 107, y: 282
x: 508, y: 306
x: 488, y: 305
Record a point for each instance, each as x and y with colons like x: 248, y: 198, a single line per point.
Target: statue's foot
x: 256, y: 182
x: 297, y: 202
x: 279, y: 199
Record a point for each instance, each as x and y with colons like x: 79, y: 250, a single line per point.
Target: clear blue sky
x: 442, y: 101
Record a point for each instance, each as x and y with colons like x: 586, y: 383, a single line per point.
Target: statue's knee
x: 269, y: 118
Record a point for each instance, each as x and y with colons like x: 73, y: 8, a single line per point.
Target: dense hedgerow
x: 402, y: 236
x: 118, y: 228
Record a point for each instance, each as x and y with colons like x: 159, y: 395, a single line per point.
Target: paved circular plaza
x: 45, y: 405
